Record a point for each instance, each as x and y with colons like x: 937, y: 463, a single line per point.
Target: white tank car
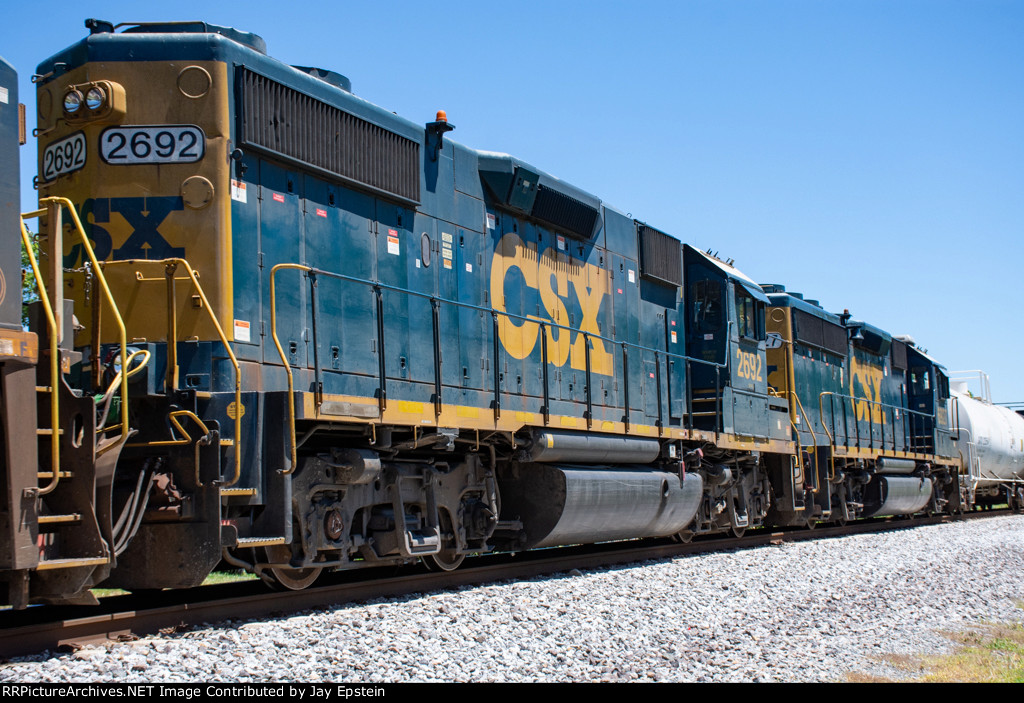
x: 991, y: 442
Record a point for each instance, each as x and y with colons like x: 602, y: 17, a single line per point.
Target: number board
x: 152, y: 144
x: 64, y: 156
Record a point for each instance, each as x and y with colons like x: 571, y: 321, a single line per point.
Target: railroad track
x: 127, y: 617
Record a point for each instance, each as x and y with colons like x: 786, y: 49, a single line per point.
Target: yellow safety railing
x: 172, y: 338
x: 54, y: 363
x: 284, y: 360
x: 871, y: 405
x: 173, y: 417
x: 56, y: 249
x: 810, y: 428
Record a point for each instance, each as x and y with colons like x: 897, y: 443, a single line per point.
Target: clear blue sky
x: 867, y: 153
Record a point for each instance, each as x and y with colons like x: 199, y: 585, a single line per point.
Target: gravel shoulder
x: 808, y: 611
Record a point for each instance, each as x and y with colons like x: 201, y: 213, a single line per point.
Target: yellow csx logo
x: 550, y: 274
x: 866, y: 382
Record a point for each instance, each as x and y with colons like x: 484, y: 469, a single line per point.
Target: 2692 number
x: 749, y: 365
x: 163, y: 144
x: 64, y: 156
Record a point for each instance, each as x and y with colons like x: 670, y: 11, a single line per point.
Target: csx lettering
x: 749, y: 366
x: 143, y: 215
x: 866, y: 382
x: 550, y: 275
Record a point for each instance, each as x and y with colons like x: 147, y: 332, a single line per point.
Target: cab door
x: 706, y: 310
x: 748, y: 356
x: 748, y: 376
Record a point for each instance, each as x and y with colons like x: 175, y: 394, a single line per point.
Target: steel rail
x: 123, y: 618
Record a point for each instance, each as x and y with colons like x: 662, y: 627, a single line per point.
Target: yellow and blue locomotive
x: 292, y: 331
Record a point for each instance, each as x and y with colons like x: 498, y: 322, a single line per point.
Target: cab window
x: 707, y: 305
x: 746, y: 314
x: 920, y: 380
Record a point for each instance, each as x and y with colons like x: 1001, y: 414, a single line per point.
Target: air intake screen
x: 564, y: 212
x: 899, y: 355
x: 311, y: 133
x: 659, y: 256
x: 819, y: 333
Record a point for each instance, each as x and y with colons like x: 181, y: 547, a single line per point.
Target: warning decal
x: 242, y: 328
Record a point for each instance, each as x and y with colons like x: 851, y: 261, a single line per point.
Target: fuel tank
x: 896, y: 495
x: 560, y: 504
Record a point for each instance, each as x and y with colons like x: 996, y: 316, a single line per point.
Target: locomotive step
x: 259, y: 541
x: 60, y: 519
x: 237, y: 492
x: 72, y: 563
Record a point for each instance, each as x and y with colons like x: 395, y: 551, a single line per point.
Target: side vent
x: 660, y: 256
x: 819, y: 333
x: 293, y: 126
x: 564, y: 212
x: 899, y: 355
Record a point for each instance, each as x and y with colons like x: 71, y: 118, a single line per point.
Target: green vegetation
x: 228, y: 577
x: 217, y: 577
x: 993, y: 653
x: 29, y: 292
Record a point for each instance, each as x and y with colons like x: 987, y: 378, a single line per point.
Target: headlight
x: 94, y: 101
x: 72, y: 102
x: 95, y: 98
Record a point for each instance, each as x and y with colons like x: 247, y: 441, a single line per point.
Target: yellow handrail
x: 122, y: 333
x: 173, y: 417
x: 144, y: 353
x: 51, y: 322
x: 56, y: 246
x: 814, y: 438
x: 284, y: 360
x: 853, y: 406
x: 810, y: 426
x: 224, y: 340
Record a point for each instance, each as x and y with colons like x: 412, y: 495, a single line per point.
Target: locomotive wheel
x: 738, y: 532
x: 290, y: 579
x: 449, y: 558
x: 445, y: 560
x: 685, y: 536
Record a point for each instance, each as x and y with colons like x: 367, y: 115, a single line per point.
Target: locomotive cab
x: 928, y: 394
x: 726, y: 326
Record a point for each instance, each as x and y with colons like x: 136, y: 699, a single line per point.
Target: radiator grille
x: 659, y: 256
x: 564, y: 212
x: 899, y: 355
x: 311, y: 133
x: 820, y: 333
